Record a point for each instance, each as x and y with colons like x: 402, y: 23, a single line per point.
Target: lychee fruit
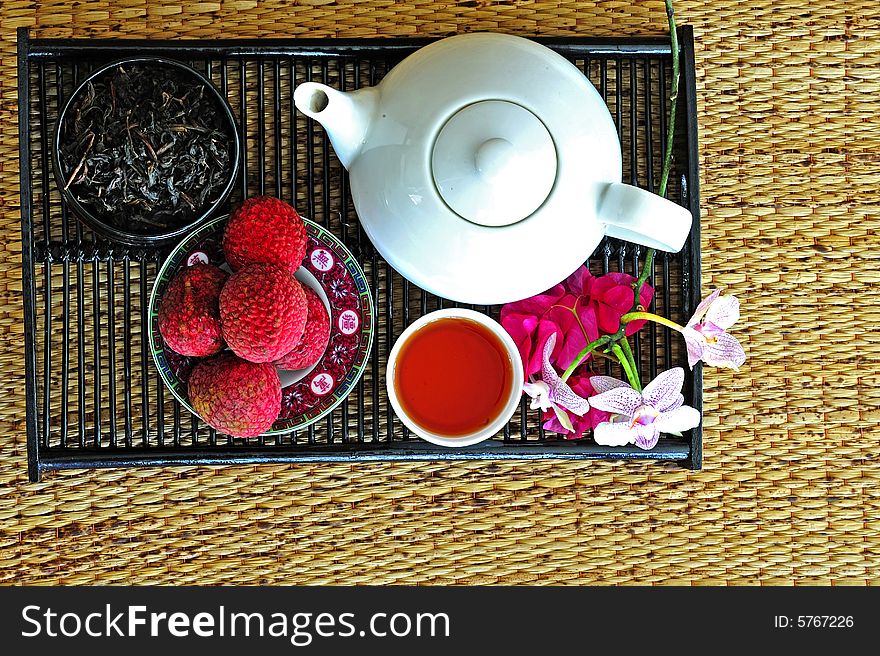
x: 265, y: 230
x: 189, y: 312
x: 316, y: 334
x: 235, y: 396
x: 263, y: 312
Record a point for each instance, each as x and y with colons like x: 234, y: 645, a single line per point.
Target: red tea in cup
x: 453, y: 376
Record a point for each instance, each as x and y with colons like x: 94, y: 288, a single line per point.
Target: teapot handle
x: 642, y: 217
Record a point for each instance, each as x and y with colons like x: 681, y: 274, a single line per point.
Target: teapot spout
x: 346, y: 117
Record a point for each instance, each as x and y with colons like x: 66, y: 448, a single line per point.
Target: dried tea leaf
x: 146, y: 147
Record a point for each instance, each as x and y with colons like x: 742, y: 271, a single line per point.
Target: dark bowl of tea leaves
x: 146, y: 149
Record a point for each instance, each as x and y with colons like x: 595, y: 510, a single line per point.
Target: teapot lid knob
x: 496, y: 158
x: 494, y: 163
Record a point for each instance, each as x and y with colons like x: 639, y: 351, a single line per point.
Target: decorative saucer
x: 334, y: 274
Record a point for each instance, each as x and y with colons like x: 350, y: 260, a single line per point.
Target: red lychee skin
x: 316, y: 334
x: 265, y: 230
x: 263, y: 312
x: 189, y: 312
x: 234, y: 396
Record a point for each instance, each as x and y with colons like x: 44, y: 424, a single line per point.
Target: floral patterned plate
x: 332, y: 272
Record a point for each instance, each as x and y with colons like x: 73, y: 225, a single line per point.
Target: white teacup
x: 513, y: 394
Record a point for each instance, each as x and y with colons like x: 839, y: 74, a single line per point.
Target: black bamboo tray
x: 94, y: 397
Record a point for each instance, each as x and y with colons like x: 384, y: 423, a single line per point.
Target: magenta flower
x: 530, y: 323
x: 551, y: 393
x: 639, y: 417
x: 577, y: 311
x: 706, y: 333
x: 610, y: 296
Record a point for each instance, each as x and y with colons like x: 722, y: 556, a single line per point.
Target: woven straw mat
x: 790, y: 152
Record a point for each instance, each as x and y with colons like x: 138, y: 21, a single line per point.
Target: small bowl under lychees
x: 333, y: 274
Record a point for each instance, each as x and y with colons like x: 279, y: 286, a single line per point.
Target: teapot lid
x: 494, y: 163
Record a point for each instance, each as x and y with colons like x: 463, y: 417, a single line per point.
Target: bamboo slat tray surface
x: 789, y: 492
x: 95, y: 398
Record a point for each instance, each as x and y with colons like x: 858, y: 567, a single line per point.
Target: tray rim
x: 687, y: 453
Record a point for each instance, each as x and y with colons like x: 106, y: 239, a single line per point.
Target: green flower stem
x: 627, y: 351
x: 673, y: 98
x: 627, y: 367
x: 650, y: 316
x: 592, y: 346
x: 648, y: 264
x: 667, y: 155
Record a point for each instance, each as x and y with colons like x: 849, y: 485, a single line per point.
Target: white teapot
x: 486, y: 168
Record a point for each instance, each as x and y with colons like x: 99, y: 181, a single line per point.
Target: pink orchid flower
x: 551, y: 393
x: 639, y: 417
x: 580, y: 384
x: 706, y: 333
